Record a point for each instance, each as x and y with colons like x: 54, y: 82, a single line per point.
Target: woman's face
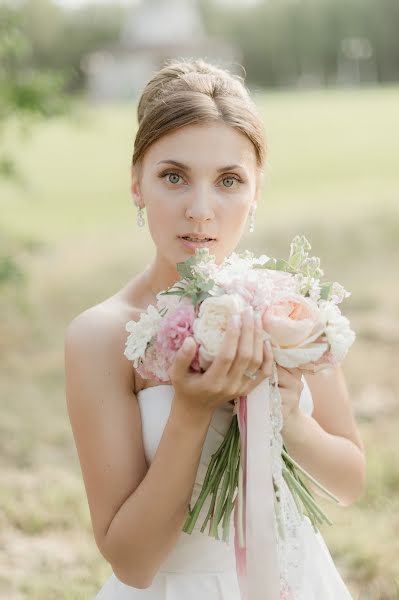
x: 209, y: 192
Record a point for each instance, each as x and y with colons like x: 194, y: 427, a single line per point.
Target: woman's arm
x: 328, y: 444
x: 148, y: 524
x: 137, y: 512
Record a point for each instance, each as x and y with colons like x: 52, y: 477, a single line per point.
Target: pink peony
x: 155, y: 365
x: 175, y: 327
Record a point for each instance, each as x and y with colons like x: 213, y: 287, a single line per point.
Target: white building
x: 154, y: 30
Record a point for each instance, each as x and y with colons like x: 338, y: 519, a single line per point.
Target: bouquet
x: 305, y: 327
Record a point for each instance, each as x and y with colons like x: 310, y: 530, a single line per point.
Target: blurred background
x: 324, y: 74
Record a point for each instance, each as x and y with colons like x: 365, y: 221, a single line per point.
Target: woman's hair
x: 186, y: 92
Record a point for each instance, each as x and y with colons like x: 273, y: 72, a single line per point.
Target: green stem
x: 221, y: 499
x: 210, y: 512
x: 212, y: 506
x: 211, y: 479
x: 307, y: 510
x: 232, y: 486
x: 219, y: 451
x: 308, y: 475
x: 212, y: 485
x: 307, y: 500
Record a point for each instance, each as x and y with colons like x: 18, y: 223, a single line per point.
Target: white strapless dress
x: 200, y: 567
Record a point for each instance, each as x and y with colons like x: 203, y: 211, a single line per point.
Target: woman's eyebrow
x: 187, y: 168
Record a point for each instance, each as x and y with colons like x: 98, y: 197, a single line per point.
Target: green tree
x: 26, y: 94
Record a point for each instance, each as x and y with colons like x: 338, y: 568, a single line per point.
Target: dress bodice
x: 155, y: 404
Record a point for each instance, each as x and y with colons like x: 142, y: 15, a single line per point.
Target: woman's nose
x: 200, y: 205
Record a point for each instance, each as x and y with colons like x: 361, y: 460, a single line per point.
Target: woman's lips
x: 193, y: 245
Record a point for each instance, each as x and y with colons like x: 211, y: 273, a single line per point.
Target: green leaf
x: 203, y: 296
x: 184, y: 270
x: 208, y: 285
x: 271, y: 264
x: 326, y: 291
x: 283, y: 265
x: 174, y: 293
x: 295, y: 260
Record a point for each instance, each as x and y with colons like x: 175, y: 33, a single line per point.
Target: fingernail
x: 258, y: 319
x: 187, y: 343
x: 268, y: 346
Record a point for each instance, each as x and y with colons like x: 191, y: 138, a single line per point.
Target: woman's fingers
x: 221, y: 364
x: 258, y: 344
x: 261, y: 362
x: 265, y: 370
x: 289, y: 378
x: 245, y: 350
x: 266, y: 367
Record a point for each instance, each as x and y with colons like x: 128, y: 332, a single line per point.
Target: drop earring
x: 252, y: 218
x: 140, y: 217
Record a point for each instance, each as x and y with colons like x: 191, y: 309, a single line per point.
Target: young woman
x: 144, y: 448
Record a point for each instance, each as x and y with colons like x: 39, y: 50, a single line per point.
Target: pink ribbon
x: 257, y: 562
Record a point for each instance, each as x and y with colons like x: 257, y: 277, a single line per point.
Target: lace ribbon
x: 270, y: 565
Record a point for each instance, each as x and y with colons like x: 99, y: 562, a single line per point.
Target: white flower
x: 339, y: 334
x: 207, y: 269
x: 210, y: 325
x: 167, y: 301
x: 239, y: 275
x: 246, y: 259
x: 339, y: 293
x: 305, y: 284
x: 315, y: 289
x: 141, y: 333
x: 300, y: 282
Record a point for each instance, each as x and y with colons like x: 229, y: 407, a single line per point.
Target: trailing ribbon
x: 257, y: 561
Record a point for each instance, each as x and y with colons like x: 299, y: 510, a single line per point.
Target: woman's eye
x: 176, y: 175
x: 231, y: 179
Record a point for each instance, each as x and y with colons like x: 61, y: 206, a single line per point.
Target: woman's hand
x: 198, y: 395
x: 291, y: 386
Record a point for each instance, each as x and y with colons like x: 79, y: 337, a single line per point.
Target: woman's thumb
x: 188, y: 345
x: 186, y: 352
x: 184, y: 356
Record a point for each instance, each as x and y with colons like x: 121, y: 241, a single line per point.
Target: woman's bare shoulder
x: 111, y: 315
x: 100, y: 331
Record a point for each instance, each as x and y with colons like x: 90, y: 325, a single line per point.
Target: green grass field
x: 332, y: 174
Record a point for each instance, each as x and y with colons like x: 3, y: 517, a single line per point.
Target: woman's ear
x: 135, y: 186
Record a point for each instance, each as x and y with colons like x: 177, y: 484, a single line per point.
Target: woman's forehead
x: 197, y: 147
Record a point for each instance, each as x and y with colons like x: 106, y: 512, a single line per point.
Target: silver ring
x: 250, y: 375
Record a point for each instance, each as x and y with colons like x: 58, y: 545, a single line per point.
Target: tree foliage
x: 321, y: 42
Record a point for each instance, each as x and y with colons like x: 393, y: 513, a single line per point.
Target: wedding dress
x: 200, y: 567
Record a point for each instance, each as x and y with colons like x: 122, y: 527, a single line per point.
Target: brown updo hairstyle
x: 186, y: 92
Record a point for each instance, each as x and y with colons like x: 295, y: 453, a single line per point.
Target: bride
x: 144, y: 448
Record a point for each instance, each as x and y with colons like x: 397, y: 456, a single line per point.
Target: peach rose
x: 291, y: 319
x: 294, y: 325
